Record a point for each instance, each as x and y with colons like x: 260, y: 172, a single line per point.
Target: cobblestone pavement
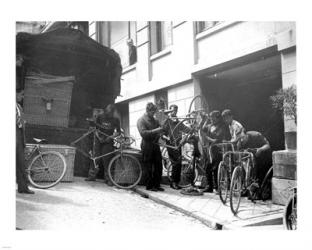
x: 94, y: 205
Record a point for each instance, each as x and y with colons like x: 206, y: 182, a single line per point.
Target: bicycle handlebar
x: 124, y: 140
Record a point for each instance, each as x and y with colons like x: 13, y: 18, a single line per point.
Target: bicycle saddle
x: 39, y: 140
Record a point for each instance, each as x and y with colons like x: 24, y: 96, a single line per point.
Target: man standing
x: 20, y: 148
x: 106, y: 123
x: 216, y: 132
x: 150, y: 130
x: 174, y: 140
x: 132, y: 52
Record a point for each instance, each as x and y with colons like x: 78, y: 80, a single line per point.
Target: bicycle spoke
x: 46, y: 169
x: 125, y: 171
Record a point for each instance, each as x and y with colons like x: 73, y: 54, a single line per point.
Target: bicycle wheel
x: 198, y: 103
x: 46, y: 169
x: 223, y: 182
x: 197, y: 106
x: 236, y: 189
x: 124, y: 171
x: 188, y: 174
x: 176, y: 133
x: 266, y: 186
x: 290, y: 214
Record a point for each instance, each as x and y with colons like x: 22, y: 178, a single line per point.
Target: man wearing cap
x: 174, y: 139
x: 150, y: 131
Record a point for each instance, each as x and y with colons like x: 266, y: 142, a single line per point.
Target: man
x: 106, y: 123
x: 150, y: 130
x: 174, y: 140
x: 20, y: 148
x: 216, y: 132
x: 263, y: 153
x: 132, y: 52
x: 236, y: 129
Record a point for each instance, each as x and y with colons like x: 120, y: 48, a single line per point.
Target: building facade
x: 30, y: 27
x: 236, y: 65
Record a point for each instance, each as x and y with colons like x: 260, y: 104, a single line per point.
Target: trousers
x: 153, y: 166
x: 21, y: 177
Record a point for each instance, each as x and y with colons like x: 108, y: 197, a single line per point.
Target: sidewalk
x: 209, y: 210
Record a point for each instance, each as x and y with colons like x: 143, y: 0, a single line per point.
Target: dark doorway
x: 246, y: 90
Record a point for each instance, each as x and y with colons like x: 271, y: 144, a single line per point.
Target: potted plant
x: 285, y: 100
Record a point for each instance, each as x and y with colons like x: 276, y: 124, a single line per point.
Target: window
x: 160, y: 36
x: 201, y: 26
x: 123, y: 41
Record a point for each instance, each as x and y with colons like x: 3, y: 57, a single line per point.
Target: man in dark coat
x: 106, y: 123
x: 21, y: 177
x: 150, y: 130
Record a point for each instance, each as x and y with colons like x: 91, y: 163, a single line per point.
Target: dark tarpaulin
x: 66, y: 52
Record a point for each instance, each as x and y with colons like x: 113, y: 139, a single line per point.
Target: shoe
x: 26, y: 191
x: 153, y: 189
x: 160, y: 189
x: 90, y: 179
x: 215, y: 191
x: 175, y: 186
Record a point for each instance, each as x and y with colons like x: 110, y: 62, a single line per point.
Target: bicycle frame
x: 244, y: 159
x: 32, y: 153
x: 91, y: 156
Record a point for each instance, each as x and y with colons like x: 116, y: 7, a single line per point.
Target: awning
x: 69, y: 52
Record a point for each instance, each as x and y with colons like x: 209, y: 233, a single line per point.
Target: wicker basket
x: 47, y: 100
x: 68, y: 152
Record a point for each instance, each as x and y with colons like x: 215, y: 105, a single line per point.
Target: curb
x: 213, y: 224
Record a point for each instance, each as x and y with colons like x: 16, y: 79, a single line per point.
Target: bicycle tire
x: 124, y: 171
x: 165, y: 158
x: 188, y: 175
x: 40, y: 172
x: 236, y: 183
x: 223, y: 182
x: 203, y: 104
x: 185, y: 136
x: 266, y: 186
x: 290, y: 216
x: 169, y: 171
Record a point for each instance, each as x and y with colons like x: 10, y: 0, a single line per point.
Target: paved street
x: 85, y: 205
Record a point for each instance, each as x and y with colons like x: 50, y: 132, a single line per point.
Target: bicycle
x: 242, y: 179
x: 225, y: 170
x: 178, y: 140
x: 290, y: 211
x: 46, y: 168
x: 124, y: 170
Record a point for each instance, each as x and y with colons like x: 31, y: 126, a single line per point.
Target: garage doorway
x: 246, y: 90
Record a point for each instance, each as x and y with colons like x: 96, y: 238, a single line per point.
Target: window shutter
x: 167, y: 34
x: 153, y: 38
